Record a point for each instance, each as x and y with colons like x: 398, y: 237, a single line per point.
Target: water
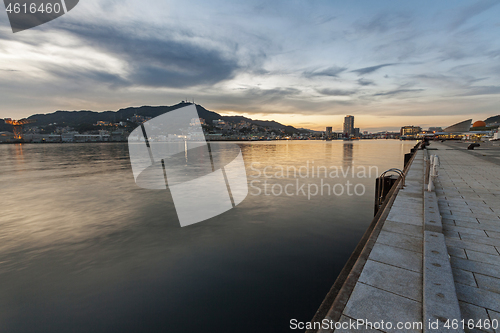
x: 84, y: 249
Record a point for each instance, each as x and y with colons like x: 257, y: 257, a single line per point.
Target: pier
x: 430, y: 261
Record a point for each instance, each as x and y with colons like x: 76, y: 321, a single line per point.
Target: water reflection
x: 83, y: 248
x: 348, y: 153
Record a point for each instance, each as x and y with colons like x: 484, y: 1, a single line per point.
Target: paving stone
x: 483, y: 257
x: 483, y: 212
x: 475, y: 313
x: 481, y: 240
x: 462, y: 230
x: 397, y: 280
x: 459, y: 217
x: 456, y: 252
x: 475, y: 266
x: 477, y: 225
x: 455, y: 210
x: 374, y: 305
x: 488, y: 282
x: 400, y: 240
x: 493, y: 234
x: 397, y: 257
x: 403, y: 228
x: 410, y: 206
x: 451, y: 234
x: 463, y: 244
x: 410, y: 219
x: 448, y: 221
x: 464, y: 277
x: 488, y: 221
x: 495, y: 318
x: 479, y: 297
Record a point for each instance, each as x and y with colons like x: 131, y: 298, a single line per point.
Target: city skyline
x: 301, y: 64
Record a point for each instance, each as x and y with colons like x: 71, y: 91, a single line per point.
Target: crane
x: 18, y: 126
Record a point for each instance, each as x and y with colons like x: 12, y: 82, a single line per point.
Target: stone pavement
x: 437, y: 256
x: 389, y: 288
x: 468, y: 191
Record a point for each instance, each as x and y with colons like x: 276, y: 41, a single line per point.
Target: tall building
x: 328, y: 133
x: 349, y: 125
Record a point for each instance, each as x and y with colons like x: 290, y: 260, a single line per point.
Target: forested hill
x: 75, y: 118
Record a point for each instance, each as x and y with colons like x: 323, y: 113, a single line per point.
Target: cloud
x: 473, y: 10
x: 384, y: 22
x: 322, y: 19
x: 332, y: 71
x: 482, y: 90
x: 363, y: 82
x: 268, y: 95
x: 398, y: 91
x: 154, y: 60
x: 88, y: 76
x: 336, y: 92
x: 368, y: 70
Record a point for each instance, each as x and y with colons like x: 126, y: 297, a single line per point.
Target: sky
x: 302, y: 63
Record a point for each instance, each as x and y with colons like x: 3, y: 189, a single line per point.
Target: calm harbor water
x: 84, y: 249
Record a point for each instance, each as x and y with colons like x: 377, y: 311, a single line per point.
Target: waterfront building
x: 410, y: 130
x: 479, y: 123
x: 463, y: 126
x: 6, y: 136
x: 349, y: 126
x: 435, y: 129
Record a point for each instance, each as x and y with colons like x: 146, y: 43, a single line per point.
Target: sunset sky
x: 302, y: 63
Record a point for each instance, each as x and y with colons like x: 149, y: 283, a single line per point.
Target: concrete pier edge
x: 335, y: 301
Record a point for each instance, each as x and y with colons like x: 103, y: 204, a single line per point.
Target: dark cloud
x: 332, y: 71
x: 398, y: 91
x: 368, y: 70
x: 269, y: 95
x: 156, y: 60
x: 469, y: 12
x: 364, y: 82
x: 88, y: 76
x: 336, y: 92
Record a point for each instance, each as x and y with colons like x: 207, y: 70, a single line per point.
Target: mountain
x: 74, y: 118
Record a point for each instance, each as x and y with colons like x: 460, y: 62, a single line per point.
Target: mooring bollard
x: 433, y: 172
